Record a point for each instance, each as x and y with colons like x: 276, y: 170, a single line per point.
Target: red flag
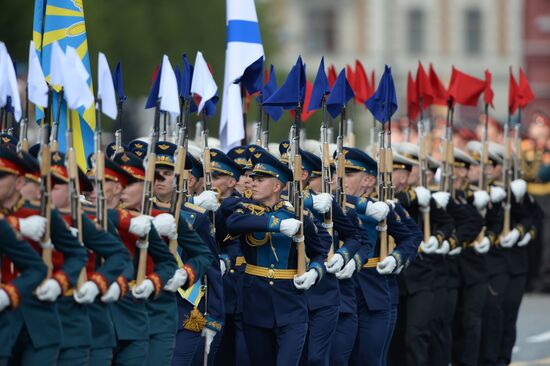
x: 423, y: 87
x: 331, y: 75
x: 525, y: 94
x: 488, y: 93
x: 363, y: 89
x: 439, y: 92
x: 350, y: 76
x: 465, y: 89
x: 305, y: 113
x: 413, y: 109
x: 266, y: 76
x: 512, y: 94
x: 372, y: 83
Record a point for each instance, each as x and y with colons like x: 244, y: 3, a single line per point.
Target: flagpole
x: 244, y: 140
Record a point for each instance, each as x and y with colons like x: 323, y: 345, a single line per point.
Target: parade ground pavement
x: 533, y: 342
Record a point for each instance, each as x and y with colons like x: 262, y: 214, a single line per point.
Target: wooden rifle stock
x: 178, y: 193
x: 45, y: 199
x: 299, y: 211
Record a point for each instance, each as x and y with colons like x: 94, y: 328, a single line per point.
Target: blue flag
x: 293, y: 90
x: 340, y: 94
x: 154, y: 93
x: 269, y: 88
x: 321, y: 87
x: 383, y: 103
x: 117, y: 81
x: 184, y: 83
x: 252, y: 78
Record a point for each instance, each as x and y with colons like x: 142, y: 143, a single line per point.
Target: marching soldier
x: 162, y: 311
x: 274, y: 305
x: 88, y: 331
x: 38, y: 338
x: 190, y: 307
x: 15, y: 288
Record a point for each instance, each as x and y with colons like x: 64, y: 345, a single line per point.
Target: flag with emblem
x: 244, y: 46
x: 63, y: 21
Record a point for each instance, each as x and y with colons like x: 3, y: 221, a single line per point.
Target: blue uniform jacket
x: 276, y: 302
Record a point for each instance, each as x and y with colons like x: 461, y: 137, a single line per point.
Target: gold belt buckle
x: 270, y: 273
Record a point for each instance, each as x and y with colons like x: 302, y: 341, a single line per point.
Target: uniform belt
x: 239, y: 261
x: 372, y: 262
x: 278, y: 274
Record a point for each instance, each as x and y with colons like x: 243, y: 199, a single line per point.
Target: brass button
x: 271, y: 283
x: 270, y: 273
x: 231, y: 271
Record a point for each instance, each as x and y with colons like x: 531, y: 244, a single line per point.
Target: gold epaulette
x: 538, y: 189
x: 194, y: 207
x: 254, y: 209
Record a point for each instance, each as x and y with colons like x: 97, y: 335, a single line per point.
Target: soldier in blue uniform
x: 13, y: 249
x: 274, y: 305
x: 162, y: 311
x: 191, y: 302
x: 82, y: 317
x: 37, y: 334
x: 376, y: 284
x: 324, y: 298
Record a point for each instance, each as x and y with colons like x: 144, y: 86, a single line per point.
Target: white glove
x: 87, y: 293
x: 525, y: 240
x: 387, y: 266
x: 335, y: 263
x: 289, y: 227
x: 165, y: 224
x: 4, y: 300
x: 178, y: 280
x: 442, y: 199
x: 444, y: 248
x: 74, y: 231
x: 144, y: 290
x: 49, y: 290
x: 140, y: 225
x: 223, y: 268
x: 112, y: 294
x: 455, y: 251
x: 347, y: 271
x: 33, y: 227
x: 207, y: 200
x: 377, y: 210
x: 510, y: 239
x: 305, y: 281
x: 483, y: 246
x: 497, y: 194
x: 208, y: 335
x: 431, y: 246
x: 423, y: 196
x: 322, y: 202
x: 518, y: 187
x: 481, y: 199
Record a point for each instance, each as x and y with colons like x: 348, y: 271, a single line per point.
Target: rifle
x: 507, y: 173
x: 447, y: 171
x: 423, y: 169
x: 518, y: 168
x: 55, y: 126
x: 341, y: 162
x: 180, y: 188
x: 385, y: 185
x: 326, y: 176
x: 484, y: 160
x: 74, y: 191
x: 46, y: 187
x: 259, y: 132
x: 99, y: 172
x: 298, y: 200
x: 148, y: 195
x: 23, y: 144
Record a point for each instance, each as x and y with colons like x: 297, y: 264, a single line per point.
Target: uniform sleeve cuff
x: 521, y: 230
x: 213, y: 323
x: 533, y: 233
x: 13, y: 294
x: 100, y: 282
x: 440, y: 237
x: 123, y: 284
x: 157, y: 283
x: 344, y: 252
x: 358, y: 262
x: 398, y: 258
x: 319, y: 268
x: 225, y: 258
x: 191, y: 275
x: 274, y: 224
x: 452, y: 242
x: 63, y: 280
x: 14, y: 222
x: 124, y: 218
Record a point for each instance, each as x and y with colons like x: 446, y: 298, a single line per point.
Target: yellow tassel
x: 195, y: 321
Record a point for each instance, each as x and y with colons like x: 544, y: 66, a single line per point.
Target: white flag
x: 76, y: 90
x: 203, y: 84
x: 168, y: 89
x: 57, y: 66
x: 244, y: 46
x: 105, y: 87
x: 8, y: 83
x: 36, y: 82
